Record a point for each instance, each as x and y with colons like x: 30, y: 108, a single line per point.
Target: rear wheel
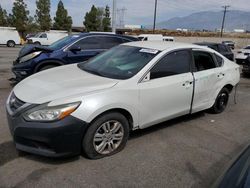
x: 221, y: 101
x: 11, y: 43
x: 106, y: 136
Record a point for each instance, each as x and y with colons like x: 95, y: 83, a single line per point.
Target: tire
x: 113, y: 132
x: 221, y: 101
x: 37, y: 43
x: 11, y: 43
x: 46, y: 67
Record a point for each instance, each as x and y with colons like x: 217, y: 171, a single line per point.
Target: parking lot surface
x: 190, y: 151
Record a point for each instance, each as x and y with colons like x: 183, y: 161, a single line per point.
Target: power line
x: 223, y: 20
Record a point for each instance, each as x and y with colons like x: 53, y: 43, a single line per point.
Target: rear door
x: 208, y: 78
x: 168, y: 91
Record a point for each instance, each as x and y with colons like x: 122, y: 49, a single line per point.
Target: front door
x: 168, y: 92
x: 89, y: 47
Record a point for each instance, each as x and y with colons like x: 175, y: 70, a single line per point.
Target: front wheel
x: 106, y: 136
x: 221, y: 101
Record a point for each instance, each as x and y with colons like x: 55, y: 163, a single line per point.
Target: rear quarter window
x: 219, y: 60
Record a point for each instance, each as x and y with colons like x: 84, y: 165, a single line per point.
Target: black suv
x: 221, y: 48
x: 71, y: 49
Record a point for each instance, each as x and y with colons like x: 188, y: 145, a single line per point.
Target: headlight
x: 50, y: 113
x: 29, y: 56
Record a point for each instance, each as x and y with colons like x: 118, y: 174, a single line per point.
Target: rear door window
x: 203, y: 60
x: 89, y: 43
x: 109, y: 42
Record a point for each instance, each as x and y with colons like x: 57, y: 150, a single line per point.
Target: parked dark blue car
x: 71, y: 49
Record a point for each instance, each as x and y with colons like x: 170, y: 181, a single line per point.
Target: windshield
x: 140, y: 38
x: 37, y: 35
x: 248, y: 48
x: 121, y: 62
x: 63, y: 42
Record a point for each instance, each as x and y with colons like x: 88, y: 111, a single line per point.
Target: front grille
x: 15, y: 103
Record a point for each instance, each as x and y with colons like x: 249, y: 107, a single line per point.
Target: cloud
x: 138, y: 11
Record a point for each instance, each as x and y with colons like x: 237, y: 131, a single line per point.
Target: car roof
x: 106, y: 34
x: 207, y: 43
x: 163, y: 45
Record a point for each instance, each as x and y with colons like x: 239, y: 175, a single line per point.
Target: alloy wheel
x: 108, y: 137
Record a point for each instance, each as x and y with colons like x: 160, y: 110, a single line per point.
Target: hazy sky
x: 138, y: 11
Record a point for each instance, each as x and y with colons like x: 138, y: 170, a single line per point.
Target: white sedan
x: 91, y: 107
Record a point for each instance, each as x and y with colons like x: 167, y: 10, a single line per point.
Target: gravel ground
x: 190, y: 151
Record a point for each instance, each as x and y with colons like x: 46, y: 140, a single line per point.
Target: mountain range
x: 209, y: 20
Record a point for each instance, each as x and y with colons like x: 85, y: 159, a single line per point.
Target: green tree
x: 43, y: 14
x: 62, y: 20
x: 91, y: 21
x: 106, y: 21
x: 32, y: 25
x: 20, y: 15
x: 3, y: 17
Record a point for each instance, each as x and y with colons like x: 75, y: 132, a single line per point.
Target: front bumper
x: 51, y: 139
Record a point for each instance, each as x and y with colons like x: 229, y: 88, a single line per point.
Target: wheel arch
x: 122, y: 111
x: 229, y: 87
x: 46, y: 63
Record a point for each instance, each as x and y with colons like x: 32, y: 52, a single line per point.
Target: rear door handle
x: 221, y: 75
x: 187, y: 84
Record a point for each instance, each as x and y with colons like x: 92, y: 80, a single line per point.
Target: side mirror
x: 75, y: 49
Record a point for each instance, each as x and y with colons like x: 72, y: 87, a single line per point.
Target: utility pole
x: 223, y: 20
x: 155, y: 16
x: 114, y: 16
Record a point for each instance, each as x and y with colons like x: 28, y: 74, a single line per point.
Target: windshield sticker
x: 75, y: 36
x: 151, y: 51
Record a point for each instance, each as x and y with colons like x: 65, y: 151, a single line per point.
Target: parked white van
x: 47, y: 38
x: 9, y: 36
x: 155, y: 37
x: 150, y: 37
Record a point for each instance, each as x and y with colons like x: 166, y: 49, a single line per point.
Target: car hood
x: 58, y: 83
x: 29, y: 48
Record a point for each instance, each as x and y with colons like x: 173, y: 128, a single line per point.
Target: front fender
x: 96, y: 104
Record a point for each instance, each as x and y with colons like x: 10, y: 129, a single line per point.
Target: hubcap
x: 222, y: 102
x: 108, y: 137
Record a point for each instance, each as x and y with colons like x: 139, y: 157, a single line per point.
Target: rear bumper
x: 246, y: 68
x: 51, y: 139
